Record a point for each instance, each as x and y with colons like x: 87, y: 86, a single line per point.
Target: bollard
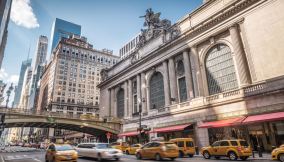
x: 259, y: 151
x: 196, y: 150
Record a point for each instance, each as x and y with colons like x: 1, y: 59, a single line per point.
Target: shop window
x: 120, y: 103
x: 157, y: 96
x: 220, y: 70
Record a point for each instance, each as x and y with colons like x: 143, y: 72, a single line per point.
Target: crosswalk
x: 22, y: 158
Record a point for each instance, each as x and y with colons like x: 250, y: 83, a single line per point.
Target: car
x: 131, y: 150
x: 100, y: 151
x: 233, y: 149
x: 158, y: 151
x: 61, y: 152
x: 186, y: 146
x: 278, y: 153
x: 119, y: 145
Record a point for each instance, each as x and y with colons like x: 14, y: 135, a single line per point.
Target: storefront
x: 265, y: 131
x: 178, y: 131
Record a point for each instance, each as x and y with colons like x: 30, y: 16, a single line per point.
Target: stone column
x: 148, y: 98
x: 138, y: 91
x: 143, y: 92
x: 188, y: 75
x: 109, y: 101
x: 173, y: 80
x: 113, y: 107
x: 200, y: 90
x: 240, y: 57
x: 166, y: 84
x: 125, y: 100
x: 112, y: 102
x: 130, y: 107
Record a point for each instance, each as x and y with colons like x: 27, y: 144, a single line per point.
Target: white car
x: 100, y: 151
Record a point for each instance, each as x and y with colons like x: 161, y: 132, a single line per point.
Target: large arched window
x: 157, y: 96
x: 220, y: 70
x: 120, y: 103
x: 181, y: 81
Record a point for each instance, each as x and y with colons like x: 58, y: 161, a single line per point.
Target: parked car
x: 233, y: 149
x: 278, y: 153
x: 119, y: 145
x: 185, y: 145
x: 131, y: 150
x: 158, y: 151
x: 100, y: 151
x: 60, y: 152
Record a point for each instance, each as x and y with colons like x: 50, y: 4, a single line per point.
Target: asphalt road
x: 39, y: 157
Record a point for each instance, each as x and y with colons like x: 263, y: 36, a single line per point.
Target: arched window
x: 220, y: 70
x: 181, y: 81
x: 157, y: 96
x: 120, y: 103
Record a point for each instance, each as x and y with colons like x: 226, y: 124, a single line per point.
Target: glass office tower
x: 62, y: 28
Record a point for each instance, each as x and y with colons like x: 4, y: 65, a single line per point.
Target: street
x: 38, y: 156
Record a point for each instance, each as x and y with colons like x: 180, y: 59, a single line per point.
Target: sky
x: 106, y: 24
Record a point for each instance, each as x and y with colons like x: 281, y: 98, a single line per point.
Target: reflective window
x: 120, y: 103
x: 157, y: 96
x: 220, y: 70
x: 181, y: 81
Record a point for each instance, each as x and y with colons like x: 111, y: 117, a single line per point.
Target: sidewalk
x: 265, y: 156
x: 18, y: 149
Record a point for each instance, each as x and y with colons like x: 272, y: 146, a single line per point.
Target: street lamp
x: 9, y: 93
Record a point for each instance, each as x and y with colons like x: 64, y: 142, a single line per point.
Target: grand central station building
x: 217, y: 73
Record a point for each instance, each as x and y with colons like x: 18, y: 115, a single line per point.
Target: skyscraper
x: 40, y: 59
x: 41, y: 50
x: 5, y: 9
x: 25, y: 64
x: 62, y: 28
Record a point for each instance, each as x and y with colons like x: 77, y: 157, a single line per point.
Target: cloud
x: 6, y: 78
x: 22, y: 14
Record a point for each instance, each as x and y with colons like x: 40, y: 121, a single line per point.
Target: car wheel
x: 206, y: 155
x: 232, y: 156
x: 172, y: 159
x: 181, y: 154
x: 281, y: 157
x: 116, y: 159
x: 190, y: 155
x: 244, y: 158
x: 127, y: 152
x: 158, y: 157
x: 138, y: 156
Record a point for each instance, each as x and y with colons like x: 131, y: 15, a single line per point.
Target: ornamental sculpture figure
x: 154, y: 25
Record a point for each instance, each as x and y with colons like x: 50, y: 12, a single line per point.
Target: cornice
x: 205, y: 25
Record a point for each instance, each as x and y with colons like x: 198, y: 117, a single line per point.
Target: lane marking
x: 2, y: 159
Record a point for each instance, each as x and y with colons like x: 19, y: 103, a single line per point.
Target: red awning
x: 128, y: 134
x: 171, y: 129
x: 264, y: 117
x: 222, y: 123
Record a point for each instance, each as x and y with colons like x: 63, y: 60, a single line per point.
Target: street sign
x: 50, y: 119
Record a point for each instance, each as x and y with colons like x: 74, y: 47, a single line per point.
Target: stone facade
x: 248, y: 32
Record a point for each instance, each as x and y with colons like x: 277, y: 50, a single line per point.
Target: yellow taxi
x: 119, y: 145
x: 158, y: 151
x: 185, y: 145
x: 233, y: 149
x: 60, y: 152
x: 131, y: 150
x: 278, y: 153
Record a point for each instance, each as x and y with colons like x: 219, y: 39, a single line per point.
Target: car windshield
x: 244, y: 143
x: 102, y: 146
x: 170, y: 145
x: 63, y: 147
